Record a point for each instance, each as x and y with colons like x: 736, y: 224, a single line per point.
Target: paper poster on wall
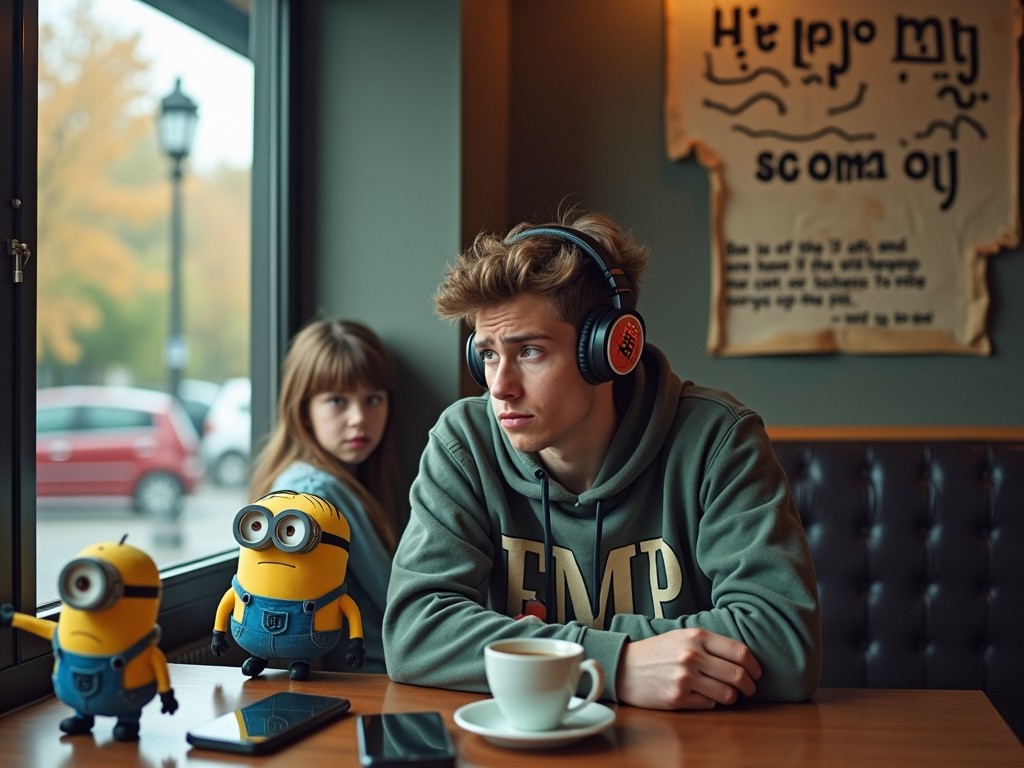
x: 863, y: 162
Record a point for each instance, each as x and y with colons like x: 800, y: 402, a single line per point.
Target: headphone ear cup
x: 610, y: 344
x: 476, y: 365
x: 591, y: 361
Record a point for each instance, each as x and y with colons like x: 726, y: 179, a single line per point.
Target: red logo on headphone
x: 625, y: 343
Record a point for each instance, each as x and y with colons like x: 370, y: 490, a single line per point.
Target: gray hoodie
x: 689, y: 523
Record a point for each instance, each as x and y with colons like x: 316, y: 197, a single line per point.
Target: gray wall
x: 379, y: 175
x: 587, y: 89
x: 423, y: 136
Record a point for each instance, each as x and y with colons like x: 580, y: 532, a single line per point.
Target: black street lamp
x: 177, y: 127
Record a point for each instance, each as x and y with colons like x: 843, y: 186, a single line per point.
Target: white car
x: 226, y: 448
x: 197, y: 396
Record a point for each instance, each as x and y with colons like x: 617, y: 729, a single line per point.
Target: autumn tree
x: 104, y: 208
x: 88, y: 79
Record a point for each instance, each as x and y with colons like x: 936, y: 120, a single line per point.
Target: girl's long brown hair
x: 334, y: 356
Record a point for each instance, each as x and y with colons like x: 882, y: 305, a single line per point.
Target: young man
x: 592, y: 495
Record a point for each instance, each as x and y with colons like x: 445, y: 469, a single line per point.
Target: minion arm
x: 219, y: 642
x: 159, y: 663
x: 355, y: 654
x: 351, y: 612
x: 224, y: 608
x: 40, y: 627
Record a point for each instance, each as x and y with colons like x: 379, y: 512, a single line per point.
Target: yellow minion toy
x: 105, y: 655
x: 288, y: 597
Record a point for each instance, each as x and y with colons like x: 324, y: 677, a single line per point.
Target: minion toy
x: 288, y: 597
x: 105, y: 655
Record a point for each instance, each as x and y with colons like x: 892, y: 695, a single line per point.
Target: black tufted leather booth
x: 919, y: 552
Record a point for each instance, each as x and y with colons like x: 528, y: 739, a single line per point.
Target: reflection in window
x: 106, y: 284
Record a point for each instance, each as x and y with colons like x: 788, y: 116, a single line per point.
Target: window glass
x: 115, y: 418
x: 58, y: 419
x: 144, y: 264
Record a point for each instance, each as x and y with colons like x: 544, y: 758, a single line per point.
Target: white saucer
x: 485, y: 719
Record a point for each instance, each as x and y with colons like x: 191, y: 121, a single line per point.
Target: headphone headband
x: 611, y: 337
x: 622, y: 295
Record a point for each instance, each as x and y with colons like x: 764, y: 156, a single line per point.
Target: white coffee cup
x: 534, y: 679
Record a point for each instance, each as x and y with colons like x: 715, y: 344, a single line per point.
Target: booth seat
x: 918, y: 547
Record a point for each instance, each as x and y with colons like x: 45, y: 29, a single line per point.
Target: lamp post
x: 176, y: 125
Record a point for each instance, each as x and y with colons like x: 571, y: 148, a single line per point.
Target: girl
x: 333, y: 439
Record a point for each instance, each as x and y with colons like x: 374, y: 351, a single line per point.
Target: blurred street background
x: 66, y: 526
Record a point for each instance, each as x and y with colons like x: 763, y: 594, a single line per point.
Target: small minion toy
x: 105, y: 655
x: 288, y: 597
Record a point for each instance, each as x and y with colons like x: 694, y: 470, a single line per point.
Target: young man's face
x: 537, y: 392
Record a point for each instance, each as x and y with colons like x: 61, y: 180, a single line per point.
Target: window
x: 192, y: 583
x: 143, y: 280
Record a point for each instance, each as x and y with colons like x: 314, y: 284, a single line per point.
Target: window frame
x: 191, y: 590
x: 18, y: 76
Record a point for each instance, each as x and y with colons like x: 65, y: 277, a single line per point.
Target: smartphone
x: 269, y: 723
x: 418, y: 739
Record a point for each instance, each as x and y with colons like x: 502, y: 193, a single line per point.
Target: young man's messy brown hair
x: 493, y: 270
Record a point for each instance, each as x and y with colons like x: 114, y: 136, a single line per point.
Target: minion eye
x: 252, y: 527
x: 83, y: 584
x: 293, y: 532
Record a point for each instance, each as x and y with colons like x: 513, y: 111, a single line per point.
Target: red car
x: 117, y: 442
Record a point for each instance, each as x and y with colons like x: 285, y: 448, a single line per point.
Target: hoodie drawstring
x: 550, y: 600
x: 549, y: 557
x: 595, y: 598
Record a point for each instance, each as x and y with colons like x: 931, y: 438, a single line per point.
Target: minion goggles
x: 292, y: 531
x: 91, y: 584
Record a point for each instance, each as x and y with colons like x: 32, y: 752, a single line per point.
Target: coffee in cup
x: 534, y: 679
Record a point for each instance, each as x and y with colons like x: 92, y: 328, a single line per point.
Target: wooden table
x: 840, y: 727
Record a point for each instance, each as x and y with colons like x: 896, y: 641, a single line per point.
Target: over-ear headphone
x: 611, y: 338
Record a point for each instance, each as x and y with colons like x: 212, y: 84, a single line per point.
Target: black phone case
x: 429, y: 733
x: 279, y: 719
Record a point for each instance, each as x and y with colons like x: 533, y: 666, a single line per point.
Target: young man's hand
x: 686, y: 669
